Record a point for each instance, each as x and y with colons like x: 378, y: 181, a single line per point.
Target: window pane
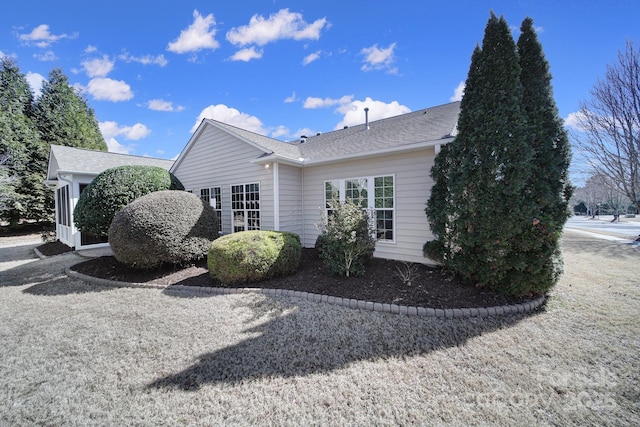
x: 384, y: 225
x: 356, y: 190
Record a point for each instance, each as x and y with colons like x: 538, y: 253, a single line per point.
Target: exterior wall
x: 217, y: 159
x: 412, y: 189
x: 290, y: 193
x: 70, y: 235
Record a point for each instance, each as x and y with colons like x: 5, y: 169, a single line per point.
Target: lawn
x: 79, y: 354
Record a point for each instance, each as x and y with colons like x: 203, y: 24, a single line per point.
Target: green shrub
x: 164, y: 227
x: 253, y: 256
x: 114, y: 189
x: 346, y: 240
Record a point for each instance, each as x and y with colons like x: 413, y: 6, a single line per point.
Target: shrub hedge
x: 114, y: 189
x: 253, y: 256
x: 163, y: 227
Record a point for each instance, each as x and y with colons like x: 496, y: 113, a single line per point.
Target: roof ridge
x: 107, y: 152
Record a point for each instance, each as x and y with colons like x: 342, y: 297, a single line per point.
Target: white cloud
x: 41, y: 36
x: 110, y: 130
x: 106, y: 89
x: 230, y: 116
x: 379, y: 58
x: 353, y: 113
x: 312, y: 102
x: 47, y: 56
x: 90, y: 49
x: 305, y: 132
x: 247, y: 54
x: 98, y: 67
x: 575, y: 120
x: 458, y: 92
x: 35, y: 82
x: 197, y: 36
x: 280, y: 132
x: 162, y: 105
x: 290, y: 99
x: 114, y: 146
x: 144, y: 60
x: 279, y: 26
x: 311, y: 57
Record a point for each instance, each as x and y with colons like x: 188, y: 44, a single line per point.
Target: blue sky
x: 151, y: 70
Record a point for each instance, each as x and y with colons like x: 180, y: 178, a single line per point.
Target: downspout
x: 276, y: 197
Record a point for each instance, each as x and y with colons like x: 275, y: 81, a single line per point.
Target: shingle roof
x: 422, y: 126
x: 80, y: 160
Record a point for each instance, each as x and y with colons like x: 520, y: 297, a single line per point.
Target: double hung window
x: 375, y: 194
x: 245, y: 207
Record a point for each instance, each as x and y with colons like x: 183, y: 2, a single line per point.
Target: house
x: 69, y: 171
x: 256, y: 182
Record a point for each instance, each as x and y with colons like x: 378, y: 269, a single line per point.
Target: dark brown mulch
x: 54, y: 248
x: 382, y: 282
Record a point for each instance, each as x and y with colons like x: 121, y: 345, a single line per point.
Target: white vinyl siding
x: 412, y: 186
x: 219, y: 159
x: 291, y: 215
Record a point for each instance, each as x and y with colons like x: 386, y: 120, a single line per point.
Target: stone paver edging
x: 449, y: 313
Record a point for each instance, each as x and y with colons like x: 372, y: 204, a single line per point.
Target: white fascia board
x: 380, y: 152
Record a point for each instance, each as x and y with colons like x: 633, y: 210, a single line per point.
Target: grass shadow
x: 578, y: 243
x: 311, y: 338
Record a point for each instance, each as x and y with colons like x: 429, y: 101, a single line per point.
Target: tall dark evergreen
x: 64, y: 117
x: 489, y: 216
x: 549, y: 181
x: 24, y: 153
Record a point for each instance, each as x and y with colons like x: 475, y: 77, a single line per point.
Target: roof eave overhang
x: 276, y: 158
x: 380, y: 152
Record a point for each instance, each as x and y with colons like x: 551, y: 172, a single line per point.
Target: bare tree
x: 609, y: 124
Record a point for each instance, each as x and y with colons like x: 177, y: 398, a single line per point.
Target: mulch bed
x: 382, y: 282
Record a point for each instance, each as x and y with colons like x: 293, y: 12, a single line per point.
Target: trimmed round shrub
x: 114, y: 189
x: 253, y: 256
x: 164, y: 227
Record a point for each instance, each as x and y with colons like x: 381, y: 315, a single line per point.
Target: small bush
x: 254, y: 256
x: 164, y: 227
x: 346, y: 240
x: 114, y: 189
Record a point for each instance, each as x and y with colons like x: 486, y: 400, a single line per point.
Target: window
x: 216, y: 203
x: 64, y: 211
x: 245, y: 207
x: 382, y: 203
x: 384, y: 206
x: 212, y: 196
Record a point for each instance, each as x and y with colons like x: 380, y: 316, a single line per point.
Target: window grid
x: 245, y: 206
x: 358, y: 189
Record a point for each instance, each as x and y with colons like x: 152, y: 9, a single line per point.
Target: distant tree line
x: 28, y: 126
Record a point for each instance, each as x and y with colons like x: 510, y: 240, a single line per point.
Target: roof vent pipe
x: 366, y: 117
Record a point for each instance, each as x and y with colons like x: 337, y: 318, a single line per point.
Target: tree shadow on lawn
x: 576, y: 243
x: 310, y: 338
x: 47, y: 277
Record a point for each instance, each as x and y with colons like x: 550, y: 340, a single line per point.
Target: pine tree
x: 24, y: 153
x: 488, y: 214
x: 549, y: 181
x: 64, y: 117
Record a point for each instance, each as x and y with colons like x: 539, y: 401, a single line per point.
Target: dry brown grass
x: 79, y: 354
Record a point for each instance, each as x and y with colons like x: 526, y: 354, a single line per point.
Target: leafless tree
x: 609, y: 124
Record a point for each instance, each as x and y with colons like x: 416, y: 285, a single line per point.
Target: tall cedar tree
x: 25, y: 154
x: 64, y: 117
x: 549, y: 181
x: 488, y: 216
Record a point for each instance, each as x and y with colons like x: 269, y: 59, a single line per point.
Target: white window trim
x: 246, y: 217
x: 370, y: 197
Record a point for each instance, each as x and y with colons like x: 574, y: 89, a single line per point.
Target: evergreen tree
x: 549, y: 181
x: 489, y: 217
x: 64, y: 117
x: 25, y: 155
